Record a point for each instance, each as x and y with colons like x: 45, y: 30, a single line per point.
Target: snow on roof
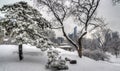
x: 66, y: 46
x: 64, y: 43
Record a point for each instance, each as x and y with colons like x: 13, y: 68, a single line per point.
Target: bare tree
x: 82, y: 9
x: 104, y: 38
x: 115, y: 44
x: 109, y: 41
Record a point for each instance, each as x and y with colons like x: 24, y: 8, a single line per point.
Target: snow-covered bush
x: 95, y: 54
x: 55, y: 61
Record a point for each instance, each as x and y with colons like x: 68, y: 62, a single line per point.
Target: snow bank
x: 35, y: 60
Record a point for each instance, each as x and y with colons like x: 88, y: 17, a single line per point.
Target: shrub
x: 95, y: 54
x: 55, y: 62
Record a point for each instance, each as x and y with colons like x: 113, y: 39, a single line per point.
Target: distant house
x: 66, y: 46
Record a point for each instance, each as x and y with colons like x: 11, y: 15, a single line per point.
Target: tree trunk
x: 79, y: 50
x: 116, y: 54
x: 20, y: 52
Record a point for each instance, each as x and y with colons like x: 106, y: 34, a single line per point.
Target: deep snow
x: 35, y: 60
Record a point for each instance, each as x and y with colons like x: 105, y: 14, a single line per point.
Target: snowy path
x: 34, y: 60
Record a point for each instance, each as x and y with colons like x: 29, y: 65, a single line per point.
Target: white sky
x: 110, y: 13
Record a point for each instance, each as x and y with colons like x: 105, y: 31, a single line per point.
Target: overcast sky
x: 110, y: 13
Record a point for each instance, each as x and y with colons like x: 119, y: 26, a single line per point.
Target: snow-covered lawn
x: 35, y: 60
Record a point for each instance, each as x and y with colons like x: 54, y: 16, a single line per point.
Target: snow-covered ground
x: 35, y: 60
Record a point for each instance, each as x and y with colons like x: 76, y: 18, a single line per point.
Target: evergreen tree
x: 25, y: 25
